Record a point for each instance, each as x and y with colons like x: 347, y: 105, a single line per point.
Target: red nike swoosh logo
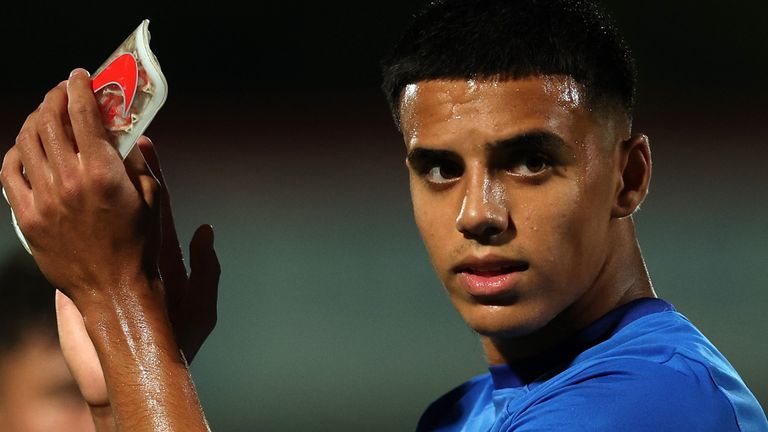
x: 123, y: 71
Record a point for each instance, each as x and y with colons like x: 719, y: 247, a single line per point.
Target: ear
x: 634, y: 161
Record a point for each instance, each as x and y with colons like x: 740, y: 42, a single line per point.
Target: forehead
x: 443, y: 111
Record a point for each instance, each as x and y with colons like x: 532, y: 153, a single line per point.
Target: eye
x: 443, y: 173
x: 436, y: 167
x: 530, y: 165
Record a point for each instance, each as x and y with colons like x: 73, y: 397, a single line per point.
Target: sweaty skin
x: 523, y: 194
x: 93, y: 225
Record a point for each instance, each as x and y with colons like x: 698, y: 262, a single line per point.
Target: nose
x: 483, y: 215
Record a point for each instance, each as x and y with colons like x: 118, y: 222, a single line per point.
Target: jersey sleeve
x: 633, y: 396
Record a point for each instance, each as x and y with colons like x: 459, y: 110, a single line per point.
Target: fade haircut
x: 26, y: 303
x: 514, y: 39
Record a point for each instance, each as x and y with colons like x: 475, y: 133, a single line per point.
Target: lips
x: 489, y: 276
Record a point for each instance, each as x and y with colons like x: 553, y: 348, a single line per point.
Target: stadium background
x: 275, y: 132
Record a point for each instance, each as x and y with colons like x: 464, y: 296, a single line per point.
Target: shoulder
x: 628, y: 395
x: 658, y: 373
x: 670, y: 341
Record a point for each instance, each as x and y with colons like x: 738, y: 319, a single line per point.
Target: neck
x: 622, y: 279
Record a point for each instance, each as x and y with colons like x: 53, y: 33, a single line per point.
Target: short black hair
x: 513, y: 39
x: 26, y: 302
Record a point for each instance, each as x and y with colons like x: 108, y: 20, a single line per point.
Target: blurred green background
x: 330, y: 317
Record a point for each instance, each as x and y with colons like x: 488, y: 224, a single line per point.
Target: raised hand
x: 191, y: 299
x: 93, y: 224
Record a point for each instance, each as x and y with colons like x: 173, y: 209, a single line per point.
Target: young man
x: 525, y: 173
x: 516, y: 117
x: 37, y: 391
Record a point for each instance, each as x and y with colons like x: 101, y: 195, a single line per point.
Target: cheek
x: 436, y: 225
x: 430, y: 222
x: 557, y: 227
x: 421, y: 212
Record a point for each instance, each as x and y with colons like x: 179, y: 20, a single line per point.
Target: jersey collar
x: 522, y: 372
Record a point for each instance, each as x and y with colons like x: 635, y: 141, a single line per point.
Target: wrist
x: 107, y: 293
x: 128, y: 315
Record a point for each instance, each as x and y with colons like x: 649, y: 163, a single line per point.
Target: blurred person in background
x: 37, y: 390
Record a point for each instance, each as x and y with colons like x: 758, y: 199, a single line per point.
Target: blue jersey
x: 642, y: 367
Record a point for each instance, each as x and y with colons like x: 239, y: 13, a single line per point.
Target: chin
x: 511, y: 321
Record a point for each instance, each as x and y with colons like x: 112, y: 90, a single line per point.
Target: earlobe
x: 635, y: 165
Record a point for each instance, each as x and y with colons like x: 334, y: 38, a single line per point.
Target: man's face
x: 37, y: 391
x: 512, y: 183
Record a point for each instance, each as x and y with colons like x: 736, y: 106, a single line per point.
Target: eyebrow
x: 536, y: 139
x: 420, y: 154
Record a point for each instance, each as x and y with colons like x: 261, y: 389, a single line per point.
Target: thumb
x: 205, y: 268
x: 198, y: 316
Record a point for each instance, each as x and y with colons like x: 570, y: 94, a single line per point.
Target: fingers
x: 205, y: 267
x: 55, y: 131
x: 141, y: 176
x: 171, y: 258
x: 134, y: 162
x: 150, y: 156
x: 16, y: 188
x: 79, y: 352
x: 32, y: 155
x: 199, y: 307
x: 44, y: 165
x: 92, y: 139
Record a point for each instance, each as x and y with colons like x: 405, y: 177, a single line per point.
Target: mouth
x: 490, y: 277
x: 490, y: 266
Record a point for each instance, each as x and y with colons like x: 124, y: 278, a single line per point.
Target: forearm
x: 149, y: 385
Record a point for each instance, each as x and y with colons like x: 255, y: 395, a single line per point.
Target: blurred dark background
x: 276, y: 133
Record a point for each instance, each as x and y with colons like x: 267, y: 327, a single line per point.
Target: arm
x: 191, y: 301
x: 92, y: 224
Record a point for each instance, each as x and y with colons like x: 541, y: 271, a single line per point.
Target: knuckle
x: 70, y: 190
x: 28, y: 223
x: 24, y: 136
x: 32, y: 116
x: 5, y: 176
x: 5, y: 171
x: 50, y: 97
x: 79, y: 107
x: 104, y: 181
x: 45, y: 206
x: 47, y: 120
